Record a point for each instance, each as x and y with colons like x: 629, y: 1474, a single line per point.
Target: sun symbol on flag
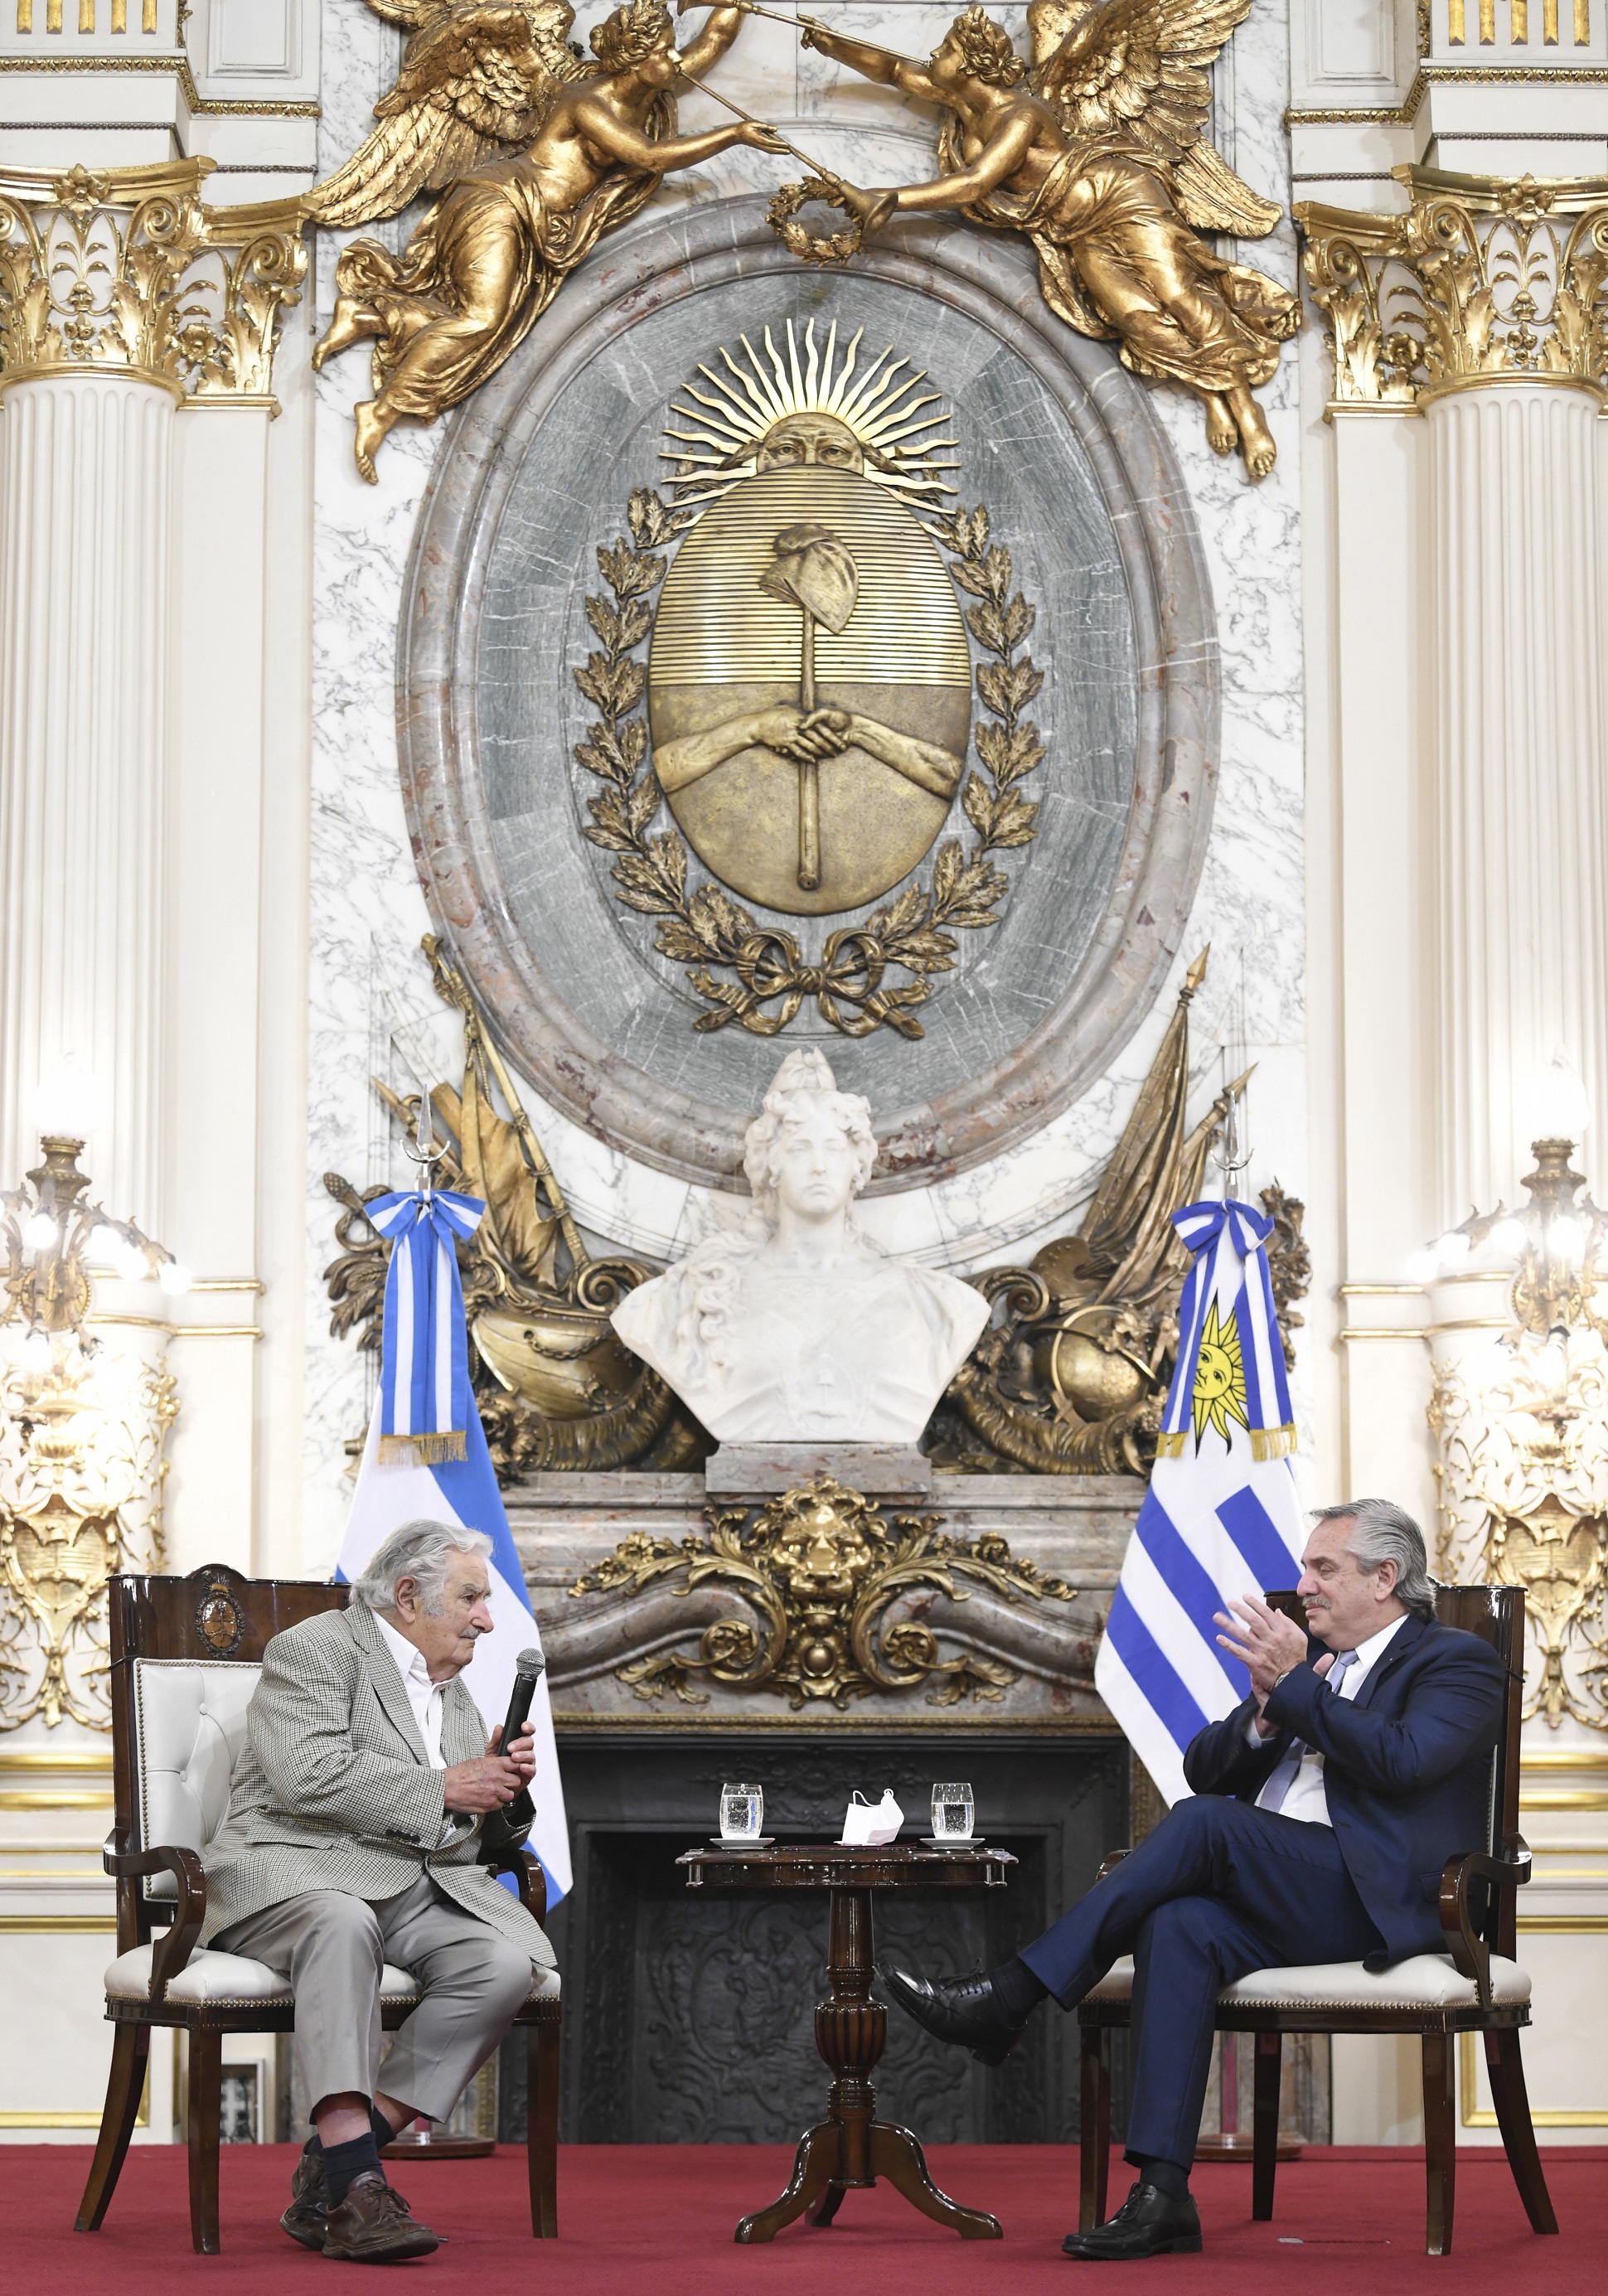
x: 1219, y: 1377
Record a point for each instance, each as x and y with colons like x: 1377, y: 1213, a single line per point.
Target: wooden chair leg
x: 205, y: 2101
x: 1440, y: 2142
x: 1505, y: 2067
x: 130, y: 2056
x: 1094, y: 2138
x: 1264, y: 2146
x: 541, y: 2127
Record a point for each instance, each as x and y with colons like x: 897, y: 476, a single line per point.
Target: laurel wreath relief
x: 714, y: 935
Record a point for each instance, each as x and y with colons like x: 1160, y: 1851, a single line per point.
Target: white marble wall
x: 372, y: 1007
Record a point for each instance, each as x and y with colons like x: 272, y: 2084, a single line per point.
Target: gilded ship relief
x: 807, y: 682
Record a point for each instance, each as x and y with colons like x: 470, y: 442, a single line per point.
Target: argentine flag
x: 426, y: 1456
x: 1221, y: 1517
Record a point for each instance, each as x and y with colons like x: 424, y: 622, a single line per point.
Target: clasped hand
x: 495, y: 1778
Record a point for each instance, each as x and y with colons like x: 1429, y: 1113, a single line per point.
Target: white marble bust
x: 794, y: 1328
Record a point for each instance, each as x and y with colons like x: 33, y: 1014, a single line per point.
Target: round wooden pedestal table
x: 850, y: 2149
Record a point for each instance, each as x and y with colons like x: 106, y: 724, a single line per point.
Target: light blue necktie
x: 1283, y: 1777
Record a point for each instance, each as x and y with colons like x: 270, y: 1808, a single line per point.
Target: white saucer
x: 744, y: 1841
x: 931, y: 1842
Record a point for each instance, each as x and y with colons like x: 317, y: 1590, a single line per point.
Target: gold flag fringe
x: 421, y: 1450
x: 1266, y: 1443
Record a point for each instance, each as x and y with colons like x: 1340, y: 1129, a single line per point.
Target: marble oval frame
x: 994, y: 282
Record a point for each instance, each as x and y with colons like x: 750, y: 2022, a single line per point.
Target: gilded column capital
x: 1482, y: 281
x: 126, y: 270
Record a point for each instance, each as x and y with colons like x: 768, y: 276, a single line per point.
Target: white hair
x: 422, y: 1551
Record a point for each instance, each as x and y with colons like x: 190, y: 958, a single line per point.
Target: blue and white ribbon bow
x: 425, y: 1394
x: 1231, y: 1363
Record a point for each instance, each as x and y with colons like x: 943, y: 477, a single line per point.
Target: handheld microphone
x: 504, y: 1830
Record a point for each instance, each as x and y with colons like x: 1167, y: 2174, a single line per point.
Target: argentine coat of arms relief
x: 809, y: 661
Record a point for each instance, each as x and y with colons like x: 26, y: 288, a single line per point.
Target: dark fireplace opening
x: 689, y: 2016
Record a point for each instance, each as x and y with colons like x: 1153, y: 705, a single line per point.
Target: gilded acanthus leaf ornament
x: 1096, y: 151
x: 537, y: 155
x: 808, y: 687
x: 820, y: 1569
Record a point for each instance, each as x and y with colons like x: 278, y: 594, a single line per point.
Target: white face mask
x: 870, y: 1824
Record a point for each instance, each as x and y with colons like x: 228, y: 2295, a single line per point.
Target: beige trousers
x: 332, y: 1948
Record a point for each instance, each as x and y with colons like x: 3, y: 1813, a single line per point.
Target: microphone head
x: 531, y: 1663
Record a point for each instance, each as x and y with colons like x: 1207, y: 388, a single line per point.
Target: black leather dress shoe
x: 964, y: 2010
x: 1149, y: 2223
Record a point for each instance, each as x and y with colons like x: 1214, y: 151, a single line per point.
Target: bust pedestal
x: 877, y: 1470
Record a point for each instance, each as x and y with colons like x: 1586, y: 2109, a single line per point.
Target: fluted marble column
x: 1519, y: 841
x: 85, y: 471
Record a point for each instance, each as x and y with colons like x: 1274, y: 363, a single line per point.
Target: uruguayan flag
x: 1221, y: 1517
x: 426, y: 1456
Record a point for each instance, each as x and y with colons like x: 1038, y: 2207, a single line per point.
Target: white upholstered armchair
x: 185, y: 1656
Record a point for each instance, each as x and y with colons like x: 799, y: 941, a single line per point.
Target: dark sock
x: 1166, y: 2176
x: 1017, y: 1990
x: 383, y: 2131
x: 343, y: 2164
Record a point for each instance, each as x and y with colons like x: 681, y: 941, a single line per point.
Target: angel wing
x: 1139, y: 67
x: 476, y: 79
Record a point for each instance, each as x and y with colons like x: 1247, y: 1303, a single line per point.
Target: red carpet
x: 657, y: 2221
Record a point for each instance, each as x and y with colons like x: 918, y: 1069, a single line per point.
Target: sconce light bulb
x: 1422, y: 1267
x: 175, y: 1278
x: 1556, y: 1107
x: 130, y: 1262
x: 68, y: 1104
x: 1565, y: 1237
x: 1453, y: 1249
x: 36, y: 1350
x: 39, y: 1234
x: 1508, y: 1238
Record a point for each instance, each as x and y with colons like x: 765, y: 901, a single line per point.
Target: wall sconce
x: 82, y: 1428
x: 52, y: 1237
x: 1519, y: 1408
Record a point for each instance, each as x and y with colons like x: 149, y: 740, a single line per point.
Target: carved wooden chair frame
x: 216, y: 1614
x: 1478, y: 1916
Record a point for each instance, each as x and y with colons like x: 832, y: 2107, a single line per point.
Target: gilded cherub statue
x: 537, y: 156
x: 1096, y: 153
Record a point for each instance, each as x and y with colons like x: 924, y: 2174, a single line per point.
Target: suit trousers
x: 332, y: 1948
x: 1219, y: 1889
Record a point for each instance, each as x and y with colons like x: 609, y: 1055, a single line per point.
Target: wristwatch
x: 1289, y: 1669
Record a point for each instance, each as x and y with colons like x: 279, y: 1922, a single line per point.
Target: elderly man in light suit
x: 352, y: 1840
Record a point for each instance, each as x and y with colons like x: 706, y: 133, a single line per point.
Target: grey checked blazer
x: 334, y: 1791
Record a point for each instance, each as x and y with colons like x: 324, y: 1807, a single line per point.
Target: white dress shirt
x: 1307, y: 1798
x: 423, y: 1695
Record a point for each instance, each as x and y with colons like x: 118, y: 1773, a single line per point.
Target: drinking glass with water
x: 952, y: 1813
x: 742, y: 1813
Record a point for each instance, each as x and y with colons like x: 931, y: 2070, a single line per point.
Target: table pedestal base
x: 819, y: 2184
x: 849, y: 2150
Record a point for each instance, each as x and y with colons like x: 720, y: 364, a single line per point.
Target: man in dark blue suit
x: 1323, y: 1810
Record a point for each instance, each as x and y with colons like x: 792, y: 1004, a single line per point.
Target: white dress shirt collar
x: 423, y: 1695
x: 1369, y: 1653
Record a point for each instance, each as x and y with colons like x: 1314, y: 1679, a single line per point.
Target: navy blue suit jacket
x: 1407, y: 1767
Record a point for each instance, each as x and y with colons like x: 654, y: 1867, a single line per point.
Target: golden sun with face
x: 1219, y: 1377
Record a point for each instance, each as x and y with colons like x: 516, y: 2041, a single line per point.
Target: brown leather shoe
x: 373, y: 2225
x: 304, y: 2220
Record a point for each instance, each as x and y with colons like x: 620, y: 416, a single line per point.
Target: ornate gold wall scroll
x: 1521, y: 1427
x: 1480, y: 277
x: 820, y: 1568
x: 124, y: 269
x: 808, y: 684
x: 1097, y: 151
x: 538, y: 157
x: 1073, y: 1378
x: 556, y: 1388
x: 81, y: 1477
